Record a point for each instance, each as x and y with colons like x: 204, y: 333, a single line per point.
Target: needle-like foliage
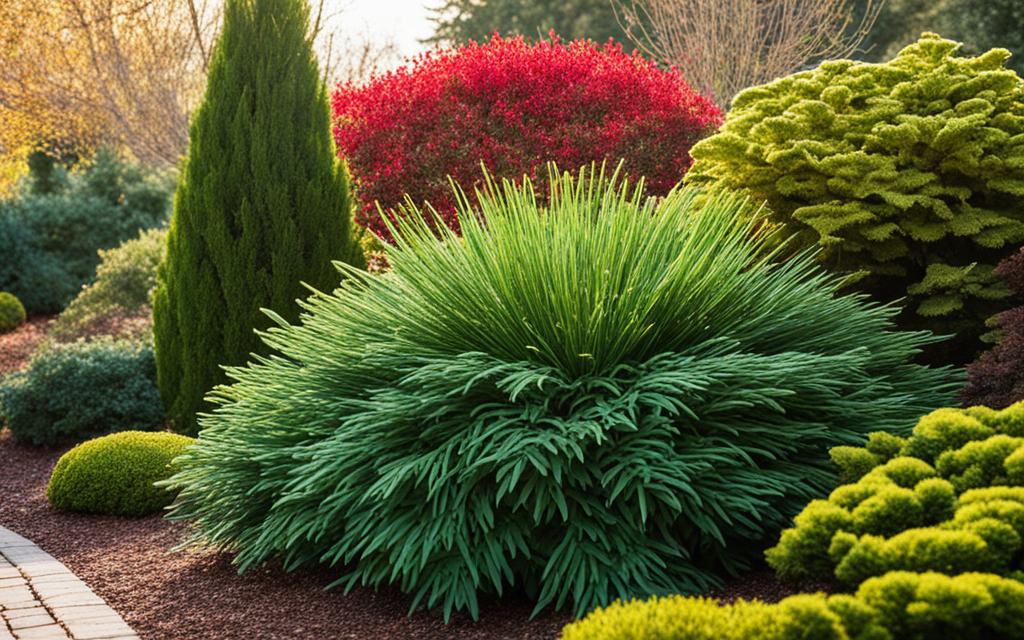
x: 606, y: 398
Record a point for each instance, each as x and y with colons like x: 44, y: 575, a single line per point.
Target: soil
x: 16, y: 346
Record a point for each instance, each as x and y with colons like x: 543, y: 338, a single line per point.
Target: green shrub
x: 612, y: 396
x: 906, y: 514
x: 262, y: 208
x: 70, y: 392
x: 125, y: 279
x: 12, y: 313
x: 114, y: 474
x: 899, y: 606
x: 909, y: 172
x: 54, y: 238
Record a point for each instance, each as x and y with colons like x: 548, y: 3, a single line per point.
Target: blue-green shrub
x: 54, y: 238
x: 71, y: 392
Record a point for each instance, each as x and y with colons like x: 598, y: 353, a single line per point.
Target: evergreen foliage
x: 898, y: 606
x: 458, y: 21
x: 611, y: 396
x: 262, y: 205
x: 114, y: 474
x: 909, y: 173
x: 950, y: 499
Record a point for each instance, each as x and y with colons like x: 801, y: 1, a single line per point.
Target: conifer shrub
x: 125, y: 279
x: 950, y: 500
x: 262, y: 207
x: 607, y: 397
x: 12, y: 312
x: 75, y: 391
x: 115, y: 474
x: 996, y: 378
x: 513, y: 106
x: 50, y: 241
x: 898, y: 606
x: 909, y: 173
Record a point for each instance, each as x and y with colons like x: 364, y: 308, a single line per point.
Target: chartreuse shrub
x: 114, y: 474
x: 949, y: 498
x: 898, y: 606
x: 124, y: 283
x: 262, y: 206
x: 909, y: 173
x: 71, y: 392
x: 605, y: 397
x: 12, y: 313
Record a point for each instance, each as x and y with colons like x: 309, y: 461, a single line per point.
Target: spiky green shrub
x: 262, y: 206
x: 949, y: 498
x: 898, y: 606
x: 124, y: 283
x: 910, y: 172
x: 12, y: 313
x: 610, y: 397
x: 114, y: 474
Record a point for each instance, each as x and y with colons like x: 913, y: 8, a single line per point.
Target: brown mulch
x: 198, y: 595
x: 16, y: 346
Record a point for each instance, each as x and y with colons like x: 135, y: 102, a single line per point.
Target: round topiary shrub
x: 71, y: 392
x: 12, y: 312
x: 909, y: 173
x: 513, y: 106
x: 114, y: 475
x: 607, y: 397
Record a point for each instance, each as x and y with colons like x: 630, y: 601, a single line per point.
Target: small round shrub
x: 512, y: 106
x: 606, y: 397
x: 909, y: 173
x: 71, y: 392
x: 12, y: 312
x: 114, y: 474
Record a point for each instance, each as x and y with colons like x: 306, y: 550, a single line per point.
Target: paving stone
x: 88, y: 630
x: 12, y: 582
x: 87, y: 612
x: 37, y: 620
x: 14, y: 614
x: 73, y: 599
x: 49, y: 632
x: 11, y: 597
x: 5, y: 634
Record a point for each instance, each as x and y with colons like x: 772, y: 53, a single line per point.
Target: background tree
x: 724, y: 46
x: 458, y: 21
x: 262, y: 205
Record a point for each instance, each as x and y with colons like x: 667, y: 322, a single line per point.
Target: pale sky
x: 403, y: 21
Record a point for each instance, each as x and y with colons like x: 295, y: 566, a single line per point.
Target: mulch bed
x: 16, y: 346
x: 198, y: 595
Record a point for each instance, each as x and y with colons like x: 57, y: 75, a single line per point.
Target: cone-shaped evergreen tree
x: 262, y: 206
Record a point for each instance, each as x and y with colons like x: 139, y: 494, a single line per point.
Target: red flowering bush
x: 996, y: 379
x: 513, y: 106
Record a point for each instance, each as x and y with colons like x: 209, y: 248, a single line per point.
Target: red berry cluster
x: 512, y: 106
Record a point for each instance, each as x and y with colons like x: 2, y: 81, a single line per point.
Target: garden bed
x: 198, y: 594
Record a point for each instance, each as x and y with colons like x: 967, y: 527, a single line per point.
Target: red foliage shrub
x: 513, y: 106
x: 996, y: 379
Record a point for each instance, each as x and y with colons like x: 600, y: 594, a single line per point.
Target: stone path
x: 40, y: 599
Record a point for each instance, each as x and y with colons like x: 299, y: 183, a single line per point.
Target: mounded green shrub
x: 898, y: 606
x: 262, y: 208
x: 50, y: 241
x: 609, y: 397
x: 114, y: 474
x: 909, y: 172
x: 949, y: 499
x: 12, y: 313
x: 124, y: 282
x: 71, y: 392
